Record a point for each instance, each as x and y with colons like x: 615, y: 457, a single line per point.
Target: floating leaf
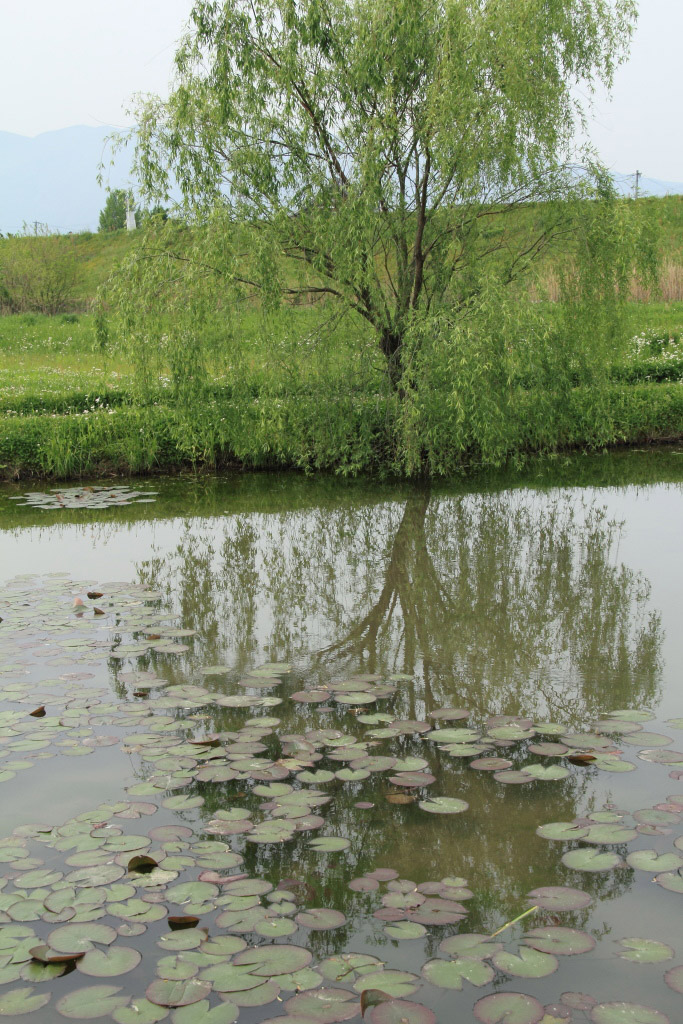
x: 650, y: 860
x: 626, y: 1013
x: 324, y: 1006
x: 508, y: 1008
x: 320, y: 919
x: 476, y: 947
x: 329, y: 844
x: 139, y: 1011
x: 108, y: 963
x: 674, y: 979
x: 201, y: 1013
x: 394, y: 983
x: 590, y: 860
x: 75, y: 938
x: 452, y: 973
x: 444, y: 805
x: 88, y: 1003
x: 561, y: 831
x: 645, y: 951
x: 270, y: 961
x: 527, y: 963
x: 405, y: 930
x: 562, y: 941
x: 22, y: 1000
x: 559, y: 898
x: 401, y: 1011
x: 177, y: 993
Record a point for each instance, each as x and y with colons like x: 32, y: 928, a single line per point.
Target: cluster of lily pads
x: 84, y: 497
x: 54, y: 928
x: 51, y: 915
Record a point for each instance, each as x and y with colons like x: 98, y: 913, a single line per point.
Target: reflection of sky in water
x: 503, y: 857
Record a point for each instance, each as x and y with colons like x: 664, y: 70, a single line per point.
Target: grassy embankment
x: 69, y: 409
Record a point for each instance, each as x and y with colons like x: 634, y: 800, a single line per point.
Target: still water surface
x: 555, y: 596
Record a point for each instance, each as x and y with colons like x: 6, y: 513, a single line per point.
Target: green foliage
x: 113, y: 214
x: 37, y: 273
x: 376, y: 149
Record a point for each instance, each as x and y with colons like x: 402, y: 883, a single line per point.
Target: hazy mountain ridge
x: 52, y: 179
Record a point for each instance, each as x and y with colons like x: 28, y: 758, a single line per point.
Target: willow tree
x: 377, y: 148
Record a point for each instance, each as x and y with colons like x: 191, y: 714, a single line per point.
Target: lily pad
x: 444, y: 805
x: 108, y: 963
x: 394, y: 983
x: 452, y: 974
x: 508, y: 1008
x: 177, y: 993
x: 674, y: 979
x: 19, y: 1001
x: 563, y: 941
x: 329, y: 844
x: 401, y: 1011
x: 88, y: 1003
x: 645, y: 951
x: 527, y: 963
x: 626, y: 1013
x: 320, y: 919
x: 590, y: 860
x: 323, y: 1006
x: 201, y: 1013
x: 270, y: 961
x: 559, y: 898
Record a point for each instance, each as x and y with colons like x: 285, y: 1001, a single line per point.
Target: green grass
x: 68, y: 409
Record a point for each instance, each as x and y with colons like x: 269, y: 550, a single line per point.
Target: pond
x: 270, y: 743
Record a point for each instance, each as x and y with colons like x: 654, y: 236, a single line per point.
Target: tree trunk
x: 391, y: 344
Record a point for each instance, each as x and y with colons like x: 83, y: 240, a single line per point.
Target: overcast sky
x: 79, y: 62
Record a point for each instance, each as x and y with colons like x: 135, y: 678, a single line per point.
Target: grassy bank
x: 69, y: 409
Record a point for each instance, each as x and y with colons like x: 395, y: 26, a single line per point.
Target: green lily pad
x: 139, y: 1011
x: 405, y: 930
x: 108, y: 963
x: 452, y: 974
x: 645, y: 951
x: 324, y: 1005
x: 320, y: 919
x: 177, y: 993
x: 444, y: 805
x: 563, y: 941
x: 394, y: 983
x: 559, y: 898
x: 650, y: 860
x: 527, y: 963
x: 474, y: 947
x: 609, y: 835
x: 672, y: 881
x: 674, y: 979
x: 590, y: 860
x: 329, y: 844
x: 561, y: 831
x: 76, y: 938
x: 508, y: 1008
x: 401, y: 1011
x: 270, y: 961
x: 626, y: 1013
x: 201, y: 1013
x: 88, y: 1003
x: 22, y: 1000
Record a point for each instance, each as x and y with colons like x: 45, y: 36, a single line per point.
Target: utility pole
x: 639, y: 175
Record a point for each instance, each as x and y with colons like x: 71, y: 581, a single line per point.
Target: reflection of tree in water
x: 498, y: 601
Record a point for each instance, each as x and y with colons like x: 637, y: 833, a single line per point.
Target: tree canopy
x: 377, y: 148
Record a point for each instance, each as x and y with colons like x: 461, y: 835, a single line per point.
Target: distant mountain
x: 646, y: 186
x: 52, y: 178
